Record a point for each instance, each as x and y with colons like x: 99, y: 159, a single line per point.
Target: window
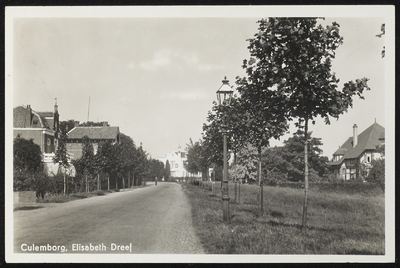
x: 176, y: 165
x: 353, y: 174
x: 368, y: 159
x: 48, y: 141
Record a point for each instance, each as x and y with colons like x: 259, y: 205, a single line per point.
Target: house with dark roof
x: 96, y: 134
x: 41, y: 127
x: 358, y: 152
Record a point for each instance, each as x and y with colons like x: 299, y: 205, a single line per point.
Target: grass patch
x: 72, y: 197
x: 337, y: 222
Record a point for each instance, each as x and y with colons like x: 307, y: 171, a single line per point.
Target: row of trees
x: 114, y: 165
x: 289, y: 78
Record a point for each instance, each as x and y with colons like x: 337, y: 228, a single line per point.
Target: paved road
x: 154, y: 219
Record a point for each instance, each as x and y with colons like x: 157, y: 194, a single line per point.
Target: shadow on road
x: 27, y: 208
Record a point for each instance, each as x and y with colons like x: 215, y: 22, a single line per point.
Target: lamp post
x: 224, y: 95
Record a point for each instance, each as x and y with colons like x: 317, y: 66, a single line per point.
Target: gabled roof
x: 94, y: 133
x: 367, y: 140
x: 46, y: 114
x: 19, y: 115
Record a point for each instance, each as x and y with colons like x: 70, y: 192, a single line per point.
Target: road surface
x: 153, y: 219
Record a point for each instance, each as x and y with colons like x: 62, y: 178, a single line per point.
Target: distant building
x: 41, y: 127
x: 176, y: 160
x: 96, y: 135
x: 357, y: 151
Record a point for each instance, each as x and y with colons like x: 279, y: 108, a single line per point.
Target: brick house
x: 358, y: 152
x: 41, y: 127
x: 96, y: 135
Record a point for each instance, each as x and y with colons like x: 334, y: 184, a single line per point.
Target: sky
x: 156, y: 76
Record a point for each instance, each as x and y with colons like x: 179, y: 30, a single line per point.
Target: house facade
x: 353, y: 159
x: 96, y: 135
x: 41, y: 127
x: 176, y: 160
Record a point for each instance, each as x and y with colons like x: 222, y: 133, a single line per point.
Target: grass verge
x: 72, y: 197
x: 338, y: 223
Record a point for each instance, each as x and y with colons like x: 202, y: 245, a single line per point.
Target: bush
x: 377, y: 173
x: 23, y: 180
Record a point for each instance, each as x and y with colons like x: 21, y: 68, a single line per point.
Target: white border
x: 387, y: 12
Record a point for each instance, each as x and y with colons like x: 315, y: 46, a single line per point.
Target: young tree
x: 263, y: 116
x: 87, y: 161
x: 293, y: 56
x: 61, y: 157
x: 246, y: 165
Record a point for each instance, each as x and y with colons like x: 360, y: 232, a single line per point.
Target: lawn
x: 338, y: 222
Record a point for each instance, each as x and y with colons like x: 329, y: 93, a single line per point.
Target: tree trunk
x: 108, y: 182
x: 304, y: 219
x: 234, y: 162
x: 64, y: 182
x: 240, y: 182
x: 260, y: 181
x: 129, y: 177
x: 123, y: 183
x: 87, y: 190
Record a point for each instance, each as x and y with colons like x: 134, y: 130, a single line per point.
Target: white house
x: 177, y: 160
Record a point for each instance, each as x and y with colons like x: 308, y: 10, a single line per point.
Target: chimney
x: 28, y: 116
x: 56, y: 120
x: 55, y: 107
x: 355, y: 135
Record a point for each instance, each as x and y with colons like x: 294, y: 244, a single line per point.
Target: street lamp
x: 224, y: 95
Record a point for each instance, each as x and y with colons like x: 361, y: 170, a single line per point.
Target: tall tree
x: 156, y: 169
x: 294, y: 57
x: 125, y: 154
x: 167, y: 171
x: 293, y: 152
x: 194, y: 162
x: 27, y: 155
x: 105, y: 159
x: 140, y: 165
x: 27, y: 163
x: 66, y: 126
